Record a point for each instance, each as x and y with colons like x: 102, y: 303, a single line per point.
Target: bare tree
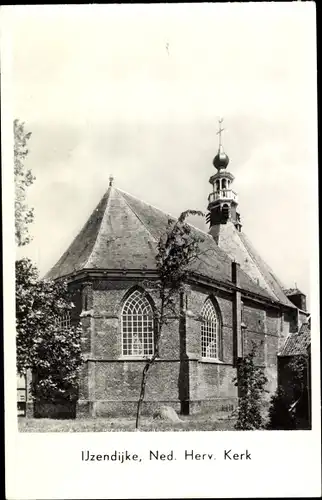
x: 178, y: 247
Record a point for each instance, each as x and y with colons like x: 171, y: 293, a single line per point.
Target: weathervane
x: 220, y: 131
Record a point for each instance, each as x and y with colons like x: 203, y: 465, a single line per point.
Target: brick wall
x: 130, y: 373
x: 110, y: 384
x: 263, y: 326
x: 196, y: 300
x: 210, y: 383
x: 213, y: 380
x: 302, y: 317
x: 288, y: 325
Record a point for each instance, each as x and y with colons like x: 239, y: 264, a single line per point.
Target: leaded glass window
x: 137, y: 326
x: 209, y: 331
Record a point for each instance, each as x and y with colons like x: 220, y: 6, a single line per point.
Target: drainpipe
x: 308, y: 379
x: 243, y: 329
x: 237, y: 340
x: 184, y: 369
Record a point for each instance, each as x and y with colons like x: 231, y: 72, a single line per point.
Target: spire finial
x: 111, y: 179
x: 221, y: 160
x: 220, y: 130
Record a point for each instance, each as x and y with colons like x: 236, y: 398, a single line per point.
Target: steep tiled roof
x: 112, y: 238
x: 297, y: 343
x: 238, y: 247
x: 122, y: 233
x: 213, y: 262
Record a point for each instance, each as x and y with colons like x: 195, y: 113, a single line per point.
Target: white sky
x: 101, y: 94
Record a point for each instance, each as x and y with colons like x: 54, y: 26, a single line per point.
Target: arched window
x: 210, y: 328
x: 223, y: 183
x: 63, y: 321
x: 137, y: 326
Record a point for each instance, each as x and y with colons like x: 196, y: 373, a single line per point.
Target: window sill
x: 212, y: 361
x: 135, y: 358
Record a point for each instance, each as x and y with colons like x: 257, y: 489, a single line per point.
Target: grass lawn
x: 190, y: 423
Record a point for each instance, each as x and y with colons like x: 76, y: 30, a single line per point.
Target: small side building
x: 294, y: 374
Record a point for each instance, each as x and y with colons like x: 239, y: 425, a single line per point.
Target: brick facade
x: 110, y: 383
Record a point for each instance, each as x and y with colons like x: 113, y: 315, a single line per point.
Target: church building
x: 233, y: 300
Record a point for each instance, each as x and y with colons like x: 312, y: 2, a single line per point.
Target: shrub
x: 251, y: 381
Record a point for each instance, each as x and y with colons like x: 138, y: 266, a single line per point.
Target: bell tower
x: 222, y: 201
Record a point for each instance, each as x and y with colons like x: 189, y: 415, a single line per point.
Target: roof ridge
x: 250, y: 254
x: 108, y: 196
x: 270, y: 270
x: 254, y: 259
x: 136, y: 215
x: 275, y: 279
x: 142, y: 201
x: 163, y: 212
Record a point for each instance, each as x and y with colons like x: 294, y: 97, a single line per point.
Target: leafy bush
x: 289, y: 406
x: 251, y: 381
x: 50, y: 351
x: 280, y: 415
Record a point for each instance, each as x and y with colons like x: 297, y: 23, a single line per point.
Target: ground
x: 191, y: 423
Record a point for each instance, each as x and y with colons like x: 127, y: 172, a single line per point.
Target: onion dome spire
x: 223, y: 200
x: 221, y: 160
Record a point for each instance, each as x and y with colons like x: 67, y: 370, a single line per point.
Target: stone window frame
x: 211, y: 303
x: 141, y: 320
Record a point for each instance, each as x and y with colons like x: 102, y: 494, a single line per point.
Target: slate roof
x: 122, y: 233
x: 297, y: 343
